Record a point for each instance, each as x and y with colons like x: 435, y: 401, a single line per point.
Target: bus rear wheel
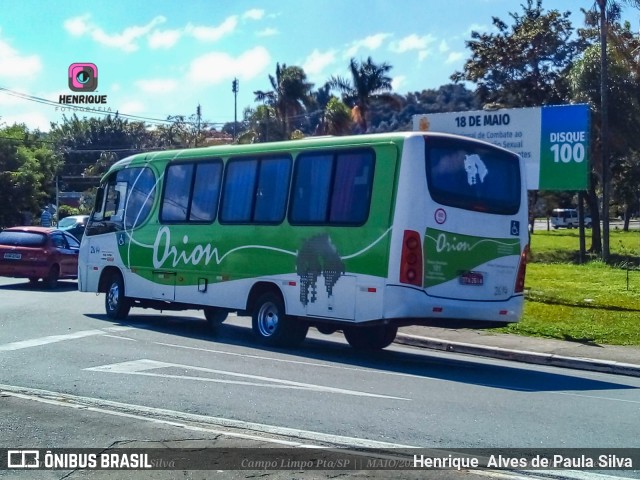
x: 116, y: 304
x: 273, y: 326
x: 371, y: 338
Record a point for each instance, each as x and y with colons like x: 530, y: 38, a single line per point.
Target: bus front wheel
x: 215, y: 316
x: 371, y: 338
x: 116, y: 304
x: 273, y: 326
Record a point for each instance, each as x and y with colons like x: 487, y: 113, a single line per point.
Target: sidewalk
x: 621, y: 360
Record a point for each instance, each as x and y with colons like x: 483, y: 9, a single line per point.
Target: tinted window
x: 191, y: 192
x: 256, y: 190
x: 239, y: 191
x: 273, y: 190
x: 175, y: 203
x: 58, y: 241
x: 332, y: 188
x: 22, y: 239
x: 473, y: 177
x: 206, y: 190
x: 351, y: 194
x: 72, y: 241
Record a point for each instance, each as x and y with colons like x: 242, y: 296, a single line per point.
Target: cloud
x: 157, y: 85
x: 454, y: 57
x: 164, y: 38
x: 15, y: 65
x: 423, y: 55
x: 216, y: 67
x: 412, y: 42
x: 268, y: 32
x: 477, y: 27
x: 372, y: 42
x: 33, y: 120
x: 132, y: 107
x: 398, y: 81
x: 316, y: 62
x: 253, y: 14
x: 212, y: 34
x: 124, y: 40
x: 443, y: 47
x: 78, y: 26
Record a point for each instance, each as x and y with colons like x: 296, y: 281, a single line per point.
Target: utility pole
x: 234, y: 89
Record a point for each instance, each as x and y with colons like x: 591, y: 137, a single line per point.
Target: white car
x: 568, y: 218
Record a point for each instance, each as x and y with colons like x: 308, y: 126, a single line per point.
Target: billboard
x: 552, y: 140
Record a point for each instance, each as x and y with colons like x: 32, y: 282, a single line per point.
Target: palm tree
x: 369, y: 81
x: 290, y: 94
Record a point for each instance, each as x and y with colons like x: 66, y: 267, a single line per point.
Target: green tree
x: 182, y: 132
x: 608, y: 10
x: 261, y: 125
x: 95, y: 143
x: 522, y: 65
x: 27, y: 172
x: 621, y: 115
x: 368, y: 82
x: 337, y: 118
x: 289, y: 97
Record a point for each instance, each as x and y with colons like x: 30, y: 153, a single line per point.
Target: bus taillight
x: 522, y: 270
x: 411, y: 261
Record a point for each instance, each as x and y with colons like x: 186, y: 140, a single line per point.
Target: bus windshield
x: 472, y: 176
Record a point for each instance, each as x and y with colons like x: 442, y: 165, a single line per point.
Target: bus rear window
x: 474, y: 177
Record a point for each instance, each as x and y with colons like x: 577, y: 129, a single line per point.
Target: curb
x: 549, y: 359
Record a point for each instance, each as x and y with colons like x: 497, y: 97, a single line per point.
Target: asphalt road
x: 72, y: 378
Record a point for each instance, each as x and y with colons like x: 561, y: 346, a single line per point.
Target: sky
x: 166, y: 57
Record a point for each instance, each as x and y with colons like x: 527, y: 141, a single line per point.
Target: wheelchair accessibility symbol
x: 515, y: 228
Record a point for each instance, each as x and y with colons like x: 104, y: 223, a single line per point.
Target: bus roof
x: 273, y: 147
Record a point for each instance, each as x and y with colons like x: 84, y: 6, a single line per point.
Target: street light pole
x: 604, y: 120
x: 234, y: 89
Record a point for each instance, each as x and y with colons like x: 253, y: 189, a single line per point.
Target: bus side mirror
x: 99, y: 199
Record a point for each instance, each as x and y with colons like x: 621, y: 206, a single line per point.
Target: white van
x: 568, y: 218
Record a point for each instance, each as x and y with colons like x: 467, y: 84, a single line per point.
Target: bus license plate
x: 472, y: 278
x: 13, y: 256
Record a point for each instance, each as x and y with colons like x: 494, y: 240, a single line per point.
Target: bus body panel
x: 335, y: 273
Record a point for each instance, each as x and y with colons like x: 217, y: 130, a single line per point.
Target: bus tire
x: 273, y: 326
x: 371, y: 338
x: 215, y: 316
x: 116, y: 304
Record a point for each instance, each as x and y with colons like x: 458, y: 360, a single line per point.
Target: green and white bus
x: 361, y: 234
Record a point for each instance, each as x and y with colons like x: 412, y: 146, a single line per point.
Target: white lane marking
x: 37, y: 342
x: 546, y: 475
x: 373, y: 370
x: 120, y: 337
x: 172, y: 417
x: 141, y: 367
x: 296, y: 362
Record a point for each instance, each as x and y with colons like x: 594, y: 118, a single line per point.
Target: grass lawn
x: 592, y: 302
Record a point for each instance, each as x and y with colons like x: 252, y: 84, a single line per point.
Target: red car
x: 38, y: 252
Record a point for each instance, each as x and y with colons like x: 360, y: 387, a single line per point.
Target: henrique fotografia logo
x: 83, y: 77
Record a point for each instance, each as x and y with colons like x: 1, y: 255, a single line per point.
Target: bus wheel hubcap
x: 267, y: 319
x: 113, y: 296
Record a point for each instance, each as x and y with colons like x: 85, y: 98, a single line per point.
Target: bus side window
x: 351, y: 195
